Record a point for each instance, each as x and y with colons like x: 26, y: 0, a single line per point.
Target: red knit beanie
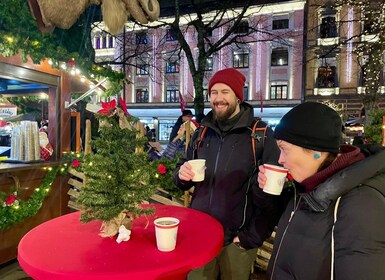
x: 231, y: 77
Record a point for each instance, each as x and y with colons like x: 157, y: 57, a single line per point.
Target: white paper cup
x: 276, y: 177
x: 166, y: 230
x: 198, y: 167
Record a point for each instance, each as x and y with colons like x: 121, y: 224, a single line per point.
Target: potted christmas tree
x: 117, y: 181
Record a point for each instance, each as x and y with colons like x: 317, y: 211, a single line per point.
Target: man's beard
x: 225, y: 115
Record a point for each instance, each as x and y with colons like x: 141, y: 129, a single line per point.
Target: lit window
x: 142, y: 95
x: 209, y: 63
x: 172, y: 95
x: 172, y: 66
x: 278, y: 90
x: 326, y: 77
x: 142, y: 69
x: 240, y: 59
x: 279, y: 57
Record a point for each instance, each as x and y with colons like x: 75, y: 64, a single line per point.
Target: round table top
x: 65, y: 248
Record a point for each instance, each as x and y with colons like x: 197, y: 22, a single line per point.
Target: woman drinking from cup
x: 334, y: 225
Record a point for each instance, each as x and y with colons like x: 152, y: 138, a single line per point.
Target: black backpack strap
x: 258, y: 135
x: 198, y: 140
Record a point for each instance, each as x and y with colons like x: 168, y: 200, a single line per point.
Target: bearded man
x: 230, y: 191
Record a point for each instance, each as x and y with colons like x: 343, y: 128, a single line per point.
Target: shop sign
x: 6, y: 112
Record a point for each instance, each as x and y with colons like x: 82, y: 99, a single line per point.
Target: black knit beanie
x: 311, y: 125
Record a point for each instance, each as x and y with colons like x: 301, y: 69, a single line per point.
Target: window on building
x: 142, y: 95
x: 246, y: 93
x: 172, y: 66
x: 97, y: 42
x: 111, y: 42
x: 278, y: 90
x: 241, y: 59
x: 209, y: 64
x: 142, y: 69
x: 141, y: 38
x: 280, y: 23
x: 104, y: 42
x: 171, y: 35
x: 172, y: 95
x: 279, y: 57
x: 326, y: 76
x: 205, y: 95
x: 328, y: 27
x: 242, y: 28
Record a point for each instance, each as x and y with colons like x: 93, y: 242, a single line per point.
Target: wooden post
x: 87, y: 144
x: 76, y: 115
x: 188, y: 137
x: 383, y: 130
x: 141, y: 132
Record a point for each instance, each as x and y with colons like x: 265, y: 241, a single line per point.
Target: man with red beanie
x: 230, y: 191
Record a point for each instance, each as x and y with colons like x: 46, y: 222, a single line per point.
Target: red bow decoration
x: 10, y: 199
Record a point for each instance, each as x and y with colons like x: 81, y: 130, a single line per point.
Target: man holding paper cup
x: 223, y: 168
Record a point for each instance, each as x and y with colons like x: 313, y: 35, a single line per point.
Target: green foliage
x: 118, y: 178
x: 20, y: 210
x: 19, y: 33
x: 373, y: 131
x: 165, y: 181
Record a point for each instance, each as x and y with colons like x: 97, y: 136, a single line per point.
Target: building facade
x: 160, y: 76
x: 334, y: 68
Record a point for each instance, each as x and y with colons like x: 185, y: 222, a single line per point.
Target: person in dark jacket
x: 334, y: 225
x: 187, y: 115
x: 230, y: 191
x: 178, y: 145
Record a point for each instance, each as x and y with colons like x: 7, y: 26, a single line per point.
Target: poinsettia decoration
x: 123, y: 106
x: 10, y: 199
x: 108, y: 108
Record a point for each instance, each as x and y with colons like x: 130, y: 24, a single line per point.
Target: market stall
x: 32, y: 189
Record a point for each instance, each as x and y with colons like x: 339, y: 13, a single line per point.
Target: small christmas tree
x: 117, y: 181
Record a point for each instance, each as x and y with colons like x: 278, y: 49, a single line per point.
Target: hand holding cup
x: 271, y: 178
x: 193, y: 170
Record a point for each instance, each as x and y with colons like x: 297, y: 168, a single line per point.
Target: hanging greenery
x: 19, y: 34
x: 13, y: 210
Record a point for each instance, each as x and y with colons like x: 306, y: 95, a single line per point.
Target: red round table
x: 65, y: 248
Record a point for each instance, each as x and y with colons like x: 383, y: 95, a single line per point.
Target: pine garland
x: 162, y: 175
x: 17, y: 210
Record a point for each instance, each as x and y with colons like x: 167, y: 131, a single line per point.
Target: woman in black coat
x: 334, y: 225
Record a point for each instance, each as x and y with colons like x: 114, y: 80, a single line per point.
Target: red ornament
x: 71, y: 63
x: 162, y: 169
x: 75, y: 163
x: 10, y: 199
